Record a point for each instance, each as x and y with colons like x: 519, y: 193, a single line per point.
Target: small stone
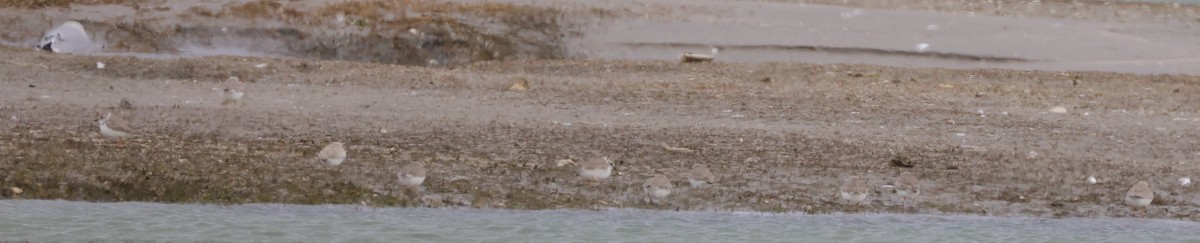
x: 17, y: 190
x: 902, y: 161
x: 126, y: 104
x: 1058, y: 109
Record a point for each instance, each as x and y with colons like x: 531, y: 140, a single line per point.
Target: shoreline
x: 782, y: 136
x: 785, y: 146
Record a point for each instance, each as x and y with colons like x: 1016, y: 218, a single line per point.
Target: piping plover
x: 854, y: 192
x: 68, y: 37
x: 412, y: 175
x: 333, y: 154
x: 231, y: 91
x: 596, y: 169
x: 908, y: 187
x: 112, y: 126
x: 1138, y: 197
x: 657, y: 188
x: 701, y: 175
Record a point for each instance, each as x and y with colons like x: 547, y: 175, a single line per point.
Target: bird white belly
x: 110, y: 133
x: 596, y: 173
x: 1137, y: 201
x: 854, y: 197
x: 408, y: 180
x: 234, y: 95
x: 334, y: 161
x: 656, y: 192
x: 696, y: 183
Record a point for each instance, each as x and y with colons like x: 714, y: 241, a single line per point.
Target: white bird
x: 1139, y: 197
x: 854, y: 191
x: 1184, y: 181
x: 596, y: 169
x: 112, y: 126
x: 231, y: 91
x: 333, y: 154
x: 908, y: 187
x: 701, y: 175
x: 657, y: 188
x: 1091, y: 180
x: 412, y: 175
x: 67, y: 38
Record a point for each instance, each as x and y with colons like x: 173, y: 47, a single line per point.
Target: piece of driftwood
x: 693, y: 57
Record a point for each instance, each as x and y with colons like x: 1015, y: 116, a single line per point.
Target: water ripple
x: 39, y: 220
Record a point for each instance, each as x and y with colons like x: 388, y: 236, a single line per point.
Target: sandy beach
x: 1007, y: 112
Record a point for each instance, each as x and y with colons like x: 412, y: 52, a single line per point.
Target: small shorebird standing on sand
x: 231, y: 91
x: 657, y: 188
x: 854, y: 191
x: 112, y: 126
x: 412, y: 175
x: 701, y: 175
x: 908, y: 187
x: 1138, y: 197
x: 596, y: 169
x: 333, y: 154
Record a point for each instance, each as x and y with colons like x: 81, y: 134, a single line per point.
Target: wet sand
x: 753, y: 31
x: 780, y: 135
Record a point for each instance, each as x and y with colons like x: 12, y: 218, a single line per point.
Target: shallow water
x: 41, y: 220
x: 1168, y: 1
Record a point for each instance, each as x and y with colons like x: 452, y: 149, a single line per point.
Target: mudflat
x: 781, y: 136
